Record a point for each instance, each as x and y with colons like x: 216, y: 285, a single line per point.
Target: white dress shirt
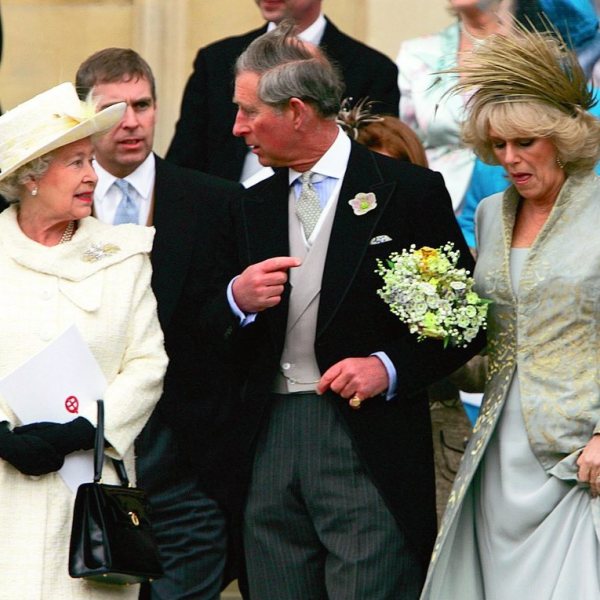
x: 329, y: 173
x: 107, y: 196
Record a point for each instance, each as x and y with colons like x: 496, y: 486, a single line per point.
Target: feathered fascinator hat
x: 352, y: 118
x: 48, y: 121
x: 524, y: 66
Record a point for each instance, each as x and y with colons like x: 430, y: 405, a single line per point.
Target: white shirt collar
x: 107, y: 196
x: 333, y: 163
x: 313, y: 33
x: 142, y: 179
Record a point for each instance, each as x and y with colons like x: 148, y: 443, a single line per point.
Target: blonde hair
x: 576, y: 137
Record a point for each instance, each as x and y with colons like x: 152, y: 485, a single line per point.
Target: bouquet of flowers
x: 433, y: 296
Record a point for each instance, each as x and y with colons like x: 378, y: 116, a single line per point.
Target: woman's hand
x: 28, y: 453
x: 65, y: 438
x: 589, y: 465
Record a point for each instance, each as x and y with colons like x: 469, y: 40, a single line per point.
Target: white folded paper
x: 55, y: 385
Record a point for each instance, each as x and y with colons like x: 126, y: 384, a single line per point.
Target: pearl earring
x: 34, y: 191
x: 559, y: 162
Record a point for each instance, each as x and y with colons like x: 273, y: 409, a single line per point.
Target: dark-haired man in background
x: 178, y: 450
x: 203, y: 138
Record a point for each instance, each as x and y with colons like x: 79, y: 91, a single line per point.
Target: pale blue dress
x: 535, y: 535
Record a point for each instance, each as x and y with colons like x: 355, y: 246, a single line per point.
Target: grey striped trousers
x: 315, y: 526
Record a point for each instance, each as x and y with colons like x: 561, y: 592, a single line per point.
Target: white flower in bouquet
x: 426, y: 290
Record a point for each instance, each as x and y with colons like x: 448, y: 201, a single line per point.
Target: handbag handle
x: 99, y: 451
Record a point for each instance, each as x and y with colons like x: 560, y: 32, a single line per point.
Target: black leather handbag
x: 111, y: 536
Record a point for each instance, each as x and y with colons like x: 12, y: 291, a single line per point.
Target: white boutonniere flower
x: 363, y: 202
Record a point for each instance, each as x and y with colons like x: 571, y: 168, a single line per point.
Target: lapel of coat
x: 265, y: 231
x: 333, y: 40
x: 351, y: 234
x: 175, y: 221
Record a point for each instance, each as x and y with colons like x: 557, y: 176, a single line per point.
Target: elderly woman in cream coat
x: 523, y: 519
x: 60, y: 267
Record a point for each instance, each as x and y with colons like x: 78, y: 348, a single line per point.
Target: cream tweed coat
x: 100, y: 281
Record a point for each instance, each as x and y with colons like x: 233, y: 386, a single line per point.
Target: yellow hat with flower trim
x: 52, y: 119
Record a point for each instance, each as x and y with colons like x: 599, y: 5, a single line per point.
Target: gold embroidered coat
x: 551, y: 332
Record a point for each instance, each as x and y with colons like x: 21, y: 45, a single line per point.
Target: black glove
x: 28, y: 453
x: 65, y: 438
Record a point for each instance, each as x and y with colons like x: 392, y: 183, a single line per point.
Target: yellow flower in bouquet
x: 426, y: 290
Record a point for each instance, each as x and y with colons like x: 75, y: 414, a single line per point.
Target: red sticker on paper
x: 72, y: 404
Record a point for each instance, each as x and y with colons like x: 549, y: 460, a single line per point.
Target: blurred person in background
x: 424, y: 105
x: 385, y: 134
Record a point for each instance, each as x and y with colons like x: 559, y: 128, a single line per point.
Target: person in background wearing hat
x: 178, y: 451
x: 385, y: 134
x: 61, y: 267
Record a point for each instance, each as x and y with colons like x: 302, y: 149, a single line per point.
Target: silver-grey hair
x: 12, y: 186
x: 289, y: 68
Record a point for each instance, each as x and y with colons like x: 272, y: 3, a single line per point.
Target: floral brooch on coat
x: 97, y: 252
x: 363, y: 202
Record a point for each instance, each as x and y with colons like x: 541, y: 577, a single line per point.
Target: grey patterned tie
x: 128, y: 210
x: 308, y: 207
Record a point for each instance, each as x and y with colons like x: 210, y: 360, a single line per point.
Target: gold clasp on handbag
x: 134, y: 518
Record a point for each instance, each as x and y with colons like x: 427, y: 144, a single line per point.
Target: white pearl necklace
x: 68, y: 233
x: 476, y: 41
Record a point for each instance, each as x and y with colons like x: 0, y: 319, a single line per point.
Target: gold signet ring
x: 355, y: 402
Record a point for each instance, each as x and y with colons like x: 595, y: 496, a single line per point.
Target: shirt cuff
x: 242, y: 316
x: 391, y: 371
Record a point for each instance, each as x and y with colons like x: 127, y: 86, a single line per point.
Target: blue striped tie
x: 128, y: 210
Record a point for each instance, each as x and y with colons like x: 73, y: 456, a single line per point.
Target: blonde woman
x: 522, y: 519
